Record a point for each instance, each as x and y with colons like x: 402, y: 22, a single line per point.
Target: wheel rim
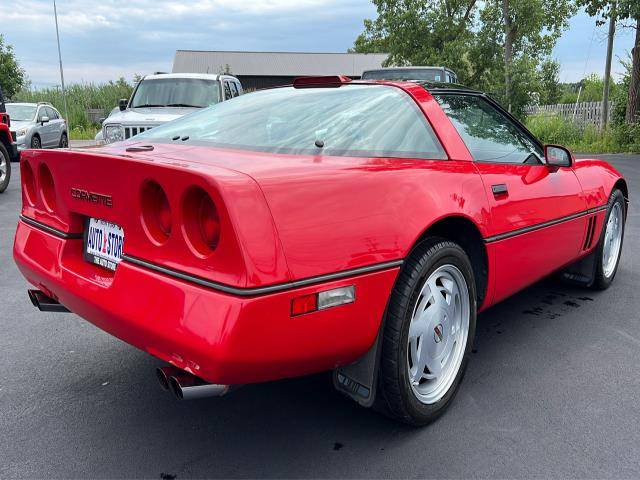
x: 438, y: 334
x: 612, y: 240
x: 3, y: 168
x: 35, y: 143
x: 65, y: 141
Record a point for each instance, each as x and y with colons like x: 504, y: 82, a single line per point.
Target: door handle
x: 499, y: 189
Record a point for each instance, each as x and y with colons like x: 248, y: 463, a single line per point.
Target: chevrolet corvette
x: 332, y: 225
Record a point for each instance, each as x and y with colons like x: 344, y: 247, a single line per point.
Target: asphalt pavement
x: 552, y: 390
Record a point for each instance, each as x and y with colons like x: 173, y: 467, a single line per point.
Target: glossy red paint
x: 286, y: 218
x: 218, y: 337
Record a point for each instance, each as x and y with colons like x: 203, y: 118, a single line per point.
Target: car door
x: 538, y: 213
x: 56, y: 126
x: 41, y: 128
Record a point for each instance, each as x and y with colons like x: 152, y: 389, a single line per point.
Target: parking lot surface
x: 552, y: 390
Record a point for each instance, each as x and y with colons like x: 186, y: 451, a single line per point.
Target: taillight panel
x: 200, y: 222
x: 155, y: 212
x: 28, y: 183
x: 47, y: 188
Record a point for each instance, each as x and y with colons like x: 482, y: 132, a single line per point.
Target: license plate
x: 103, y: 242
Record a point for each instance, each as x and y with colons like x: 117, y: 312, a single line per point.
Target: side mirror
x: 557, y: 156
x: 122, y: 104
x: 101, y: 120
x: 44, y: 120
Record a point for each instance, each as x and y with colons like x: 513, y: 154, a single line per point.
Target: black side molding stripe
x: 247, y: 292
x: 51, y: 230
x: 538, y: 226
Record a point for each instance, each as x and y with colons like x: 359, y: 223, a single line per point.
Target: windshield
x: 176, y: 92
x: 353, y: 120
x: 21, y: 113
x: 432, y: 75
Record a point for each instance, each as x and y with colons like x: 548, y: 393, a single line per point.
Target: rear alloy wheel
x: 5, y: 168
x: 35, y: 142
x: 428, y: 334
x: 64, y: 141
x: 610, y: 245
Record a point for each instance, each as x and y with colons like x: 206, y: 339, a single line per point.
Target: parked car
x: 428, y: 74
x: 8, y: 150
x: 163, y: 97
x: 330, y: 225
x: 38, y: 125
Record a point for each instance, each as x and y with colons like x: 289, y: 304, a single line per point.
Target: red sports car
x: 332, y: 225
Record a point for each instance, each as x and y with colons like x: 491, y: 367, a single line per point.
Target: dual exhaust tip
x: 182, y: 384
x: 186, y: 386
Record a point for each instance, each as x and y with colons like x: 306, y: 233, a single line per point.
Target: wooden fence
x: 584, y: 112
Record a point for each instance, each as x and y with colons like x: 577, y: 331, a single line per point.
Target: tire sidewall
x: 603, y: 281
x: 448, y: 254
x: 5, y: 154
x: 64, y: 140
x: 36, y: 138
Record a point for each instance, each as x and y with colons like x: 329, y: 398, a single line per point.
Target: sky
x: 106, y: 39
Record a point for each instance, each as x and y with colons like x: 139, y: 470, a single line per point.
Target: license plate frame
x: 103, y: 242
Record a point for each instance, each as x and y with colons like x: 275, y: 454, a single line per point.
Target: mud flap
x: 359, y: 379
x: 583, y: 272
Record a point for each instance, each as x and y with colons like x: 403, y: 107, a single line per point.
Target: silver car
x: 37, y: 125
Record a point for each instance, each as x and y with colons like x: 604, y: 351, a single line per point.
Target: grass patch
x: 584, y: 138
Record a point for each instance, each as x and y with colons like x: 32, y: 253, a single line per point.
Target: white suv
x: 163, y: 97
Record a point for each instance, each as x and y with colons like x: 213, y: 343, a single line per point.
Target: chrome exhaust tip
x: 45, y: 303
x: 164, y: 374
x: 189, y: 387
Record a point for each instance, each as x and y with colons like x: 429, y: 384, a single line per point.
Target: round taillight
x: 156, y: 212
x: 28, y: 182
x: 201, y: 222
x: 47, y: 187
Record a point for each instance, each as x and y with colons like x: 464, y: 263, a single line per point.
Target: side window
x: 227, y: 91
x: 234, y: 89
x: 239, y: 87
x: 489, y: 135
x: 42, y: 112
x: 51, y: 113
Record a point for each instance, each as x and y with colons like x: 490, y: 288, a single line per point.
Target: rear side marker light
x: 323, y: 300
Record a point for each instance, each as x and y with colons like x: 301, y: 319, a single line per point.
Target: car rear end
x: 183, y: 261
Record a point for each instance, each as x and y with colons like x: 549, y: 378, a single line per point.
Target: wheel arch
x: 464, y: 232
x: 621, y: 184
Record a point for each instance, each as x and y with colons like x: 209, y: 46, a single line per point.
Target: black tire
x: 602, y: 281
x: 35, y: 142
x: 5, y: 164
x: 64, y: 140
x: 394, y: 389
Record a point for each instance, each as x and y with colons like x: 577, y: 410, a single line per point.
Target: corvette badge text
x: 92, y: 197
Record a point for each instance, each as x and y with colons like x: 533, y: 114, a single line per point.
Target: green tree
x: 625, y: 12
x: 525, y: 31
x: 421, y: 32
x: 12, y: 76
x: 550, y: 89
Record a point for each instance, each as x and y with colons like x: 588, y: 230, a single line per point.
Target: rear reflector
x: 322, y: 300
x: 306, y: 304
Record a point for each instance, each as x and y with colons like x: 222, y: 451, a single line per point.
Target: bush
x: 81, y: 97
x: 584, y: 138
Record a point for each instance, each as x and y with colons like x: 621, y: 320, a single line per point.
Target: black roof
x: 438, y: 87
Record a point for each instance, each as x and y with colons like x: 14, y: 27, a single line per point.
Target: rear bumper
x: 220, y: 337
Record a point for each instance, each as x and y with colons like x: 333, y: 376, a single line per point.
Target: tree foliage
x: 470, y: 37
x: 12, y: 76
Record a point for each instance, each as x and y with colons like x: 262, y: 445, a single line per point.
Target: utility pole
x: 64, y: 94
x: 607, y: 67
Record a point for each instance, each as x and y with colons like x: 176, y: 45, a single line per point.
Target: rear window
x: 352, y: 120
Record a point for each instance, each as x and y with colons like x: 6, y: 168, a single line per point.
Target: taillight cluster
x: 42, y: 186
x: 198, y: 218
